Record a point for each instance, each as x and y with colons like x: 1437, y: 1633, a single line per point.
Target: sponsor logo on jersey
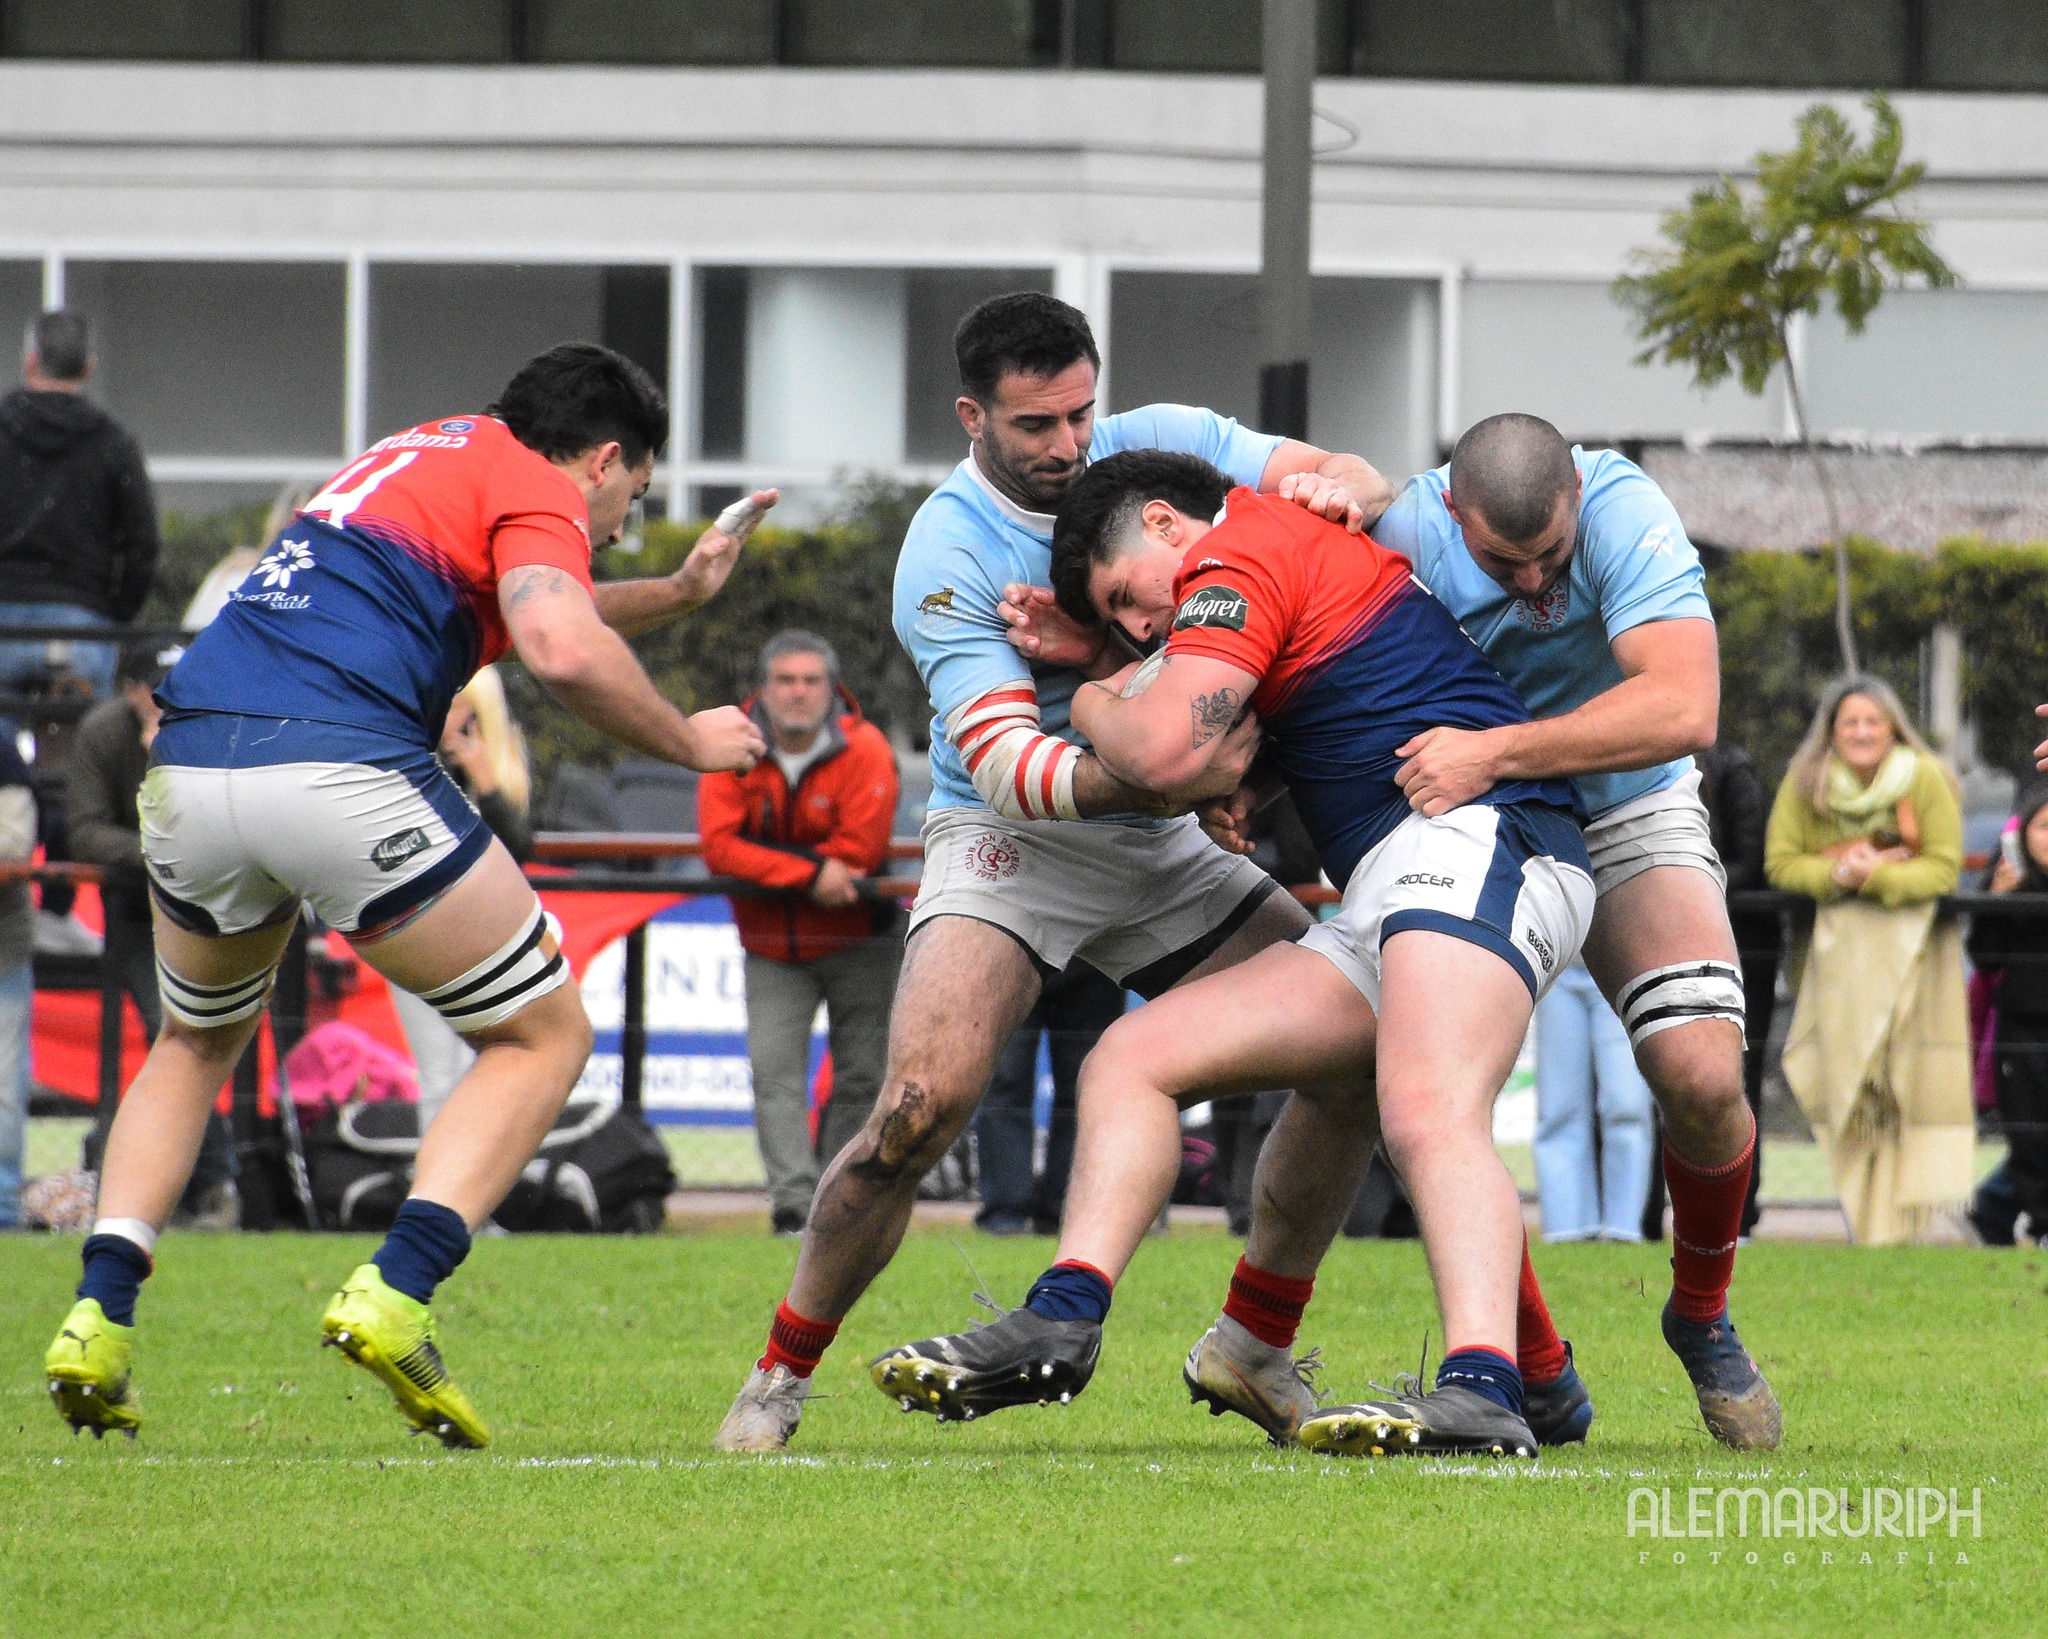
x: 399, y: 847
x: 1541, y: 947
x: 1425, y: 879
x: 416, y: 440
x: 1222, y: 607
x: 458, y: 426
x: 1658, y: 543
x: 286, y: 559
x: 1547, y: 613
x: 992, y: 856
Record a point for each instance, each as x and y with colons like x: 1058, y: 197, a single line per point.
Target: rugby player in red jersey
x: 1450, y: 928
x: 295, y: 762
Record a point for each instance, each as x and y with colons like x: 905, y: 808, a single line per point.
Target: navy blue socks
x: 1483, y: 1371
x: 426, y: 1242
x: 115, y: 1268
x: 1070, y: 1291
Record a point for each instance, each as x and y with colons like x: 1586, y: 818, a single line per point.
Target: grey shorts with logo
x: 1144, y: 904
x: 1667, y: 827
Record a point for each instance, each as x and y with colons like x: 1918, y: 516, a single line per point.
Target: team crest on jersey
x: 939, y: 614
x: 1223, y: 607
x: 992, y: 856
x: 1547, y: 613
x: 458, y: 426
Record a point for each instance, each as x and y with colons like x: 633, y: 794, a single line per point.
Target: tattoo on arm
x: 530, y: 581
x: 1213, y: 713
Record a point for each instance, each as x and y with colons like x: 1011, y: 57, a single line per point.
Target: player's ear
x: 972, y: 416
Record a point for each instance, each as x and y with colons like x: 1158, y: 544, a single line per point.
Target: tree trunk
x: 1845, y: 631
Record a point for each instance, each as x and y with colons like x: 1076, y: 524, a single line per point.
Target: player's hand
x: 1227, y: 820
x: 1444, y: 768
x: 2041, y: 750
x: 710, y: 563
x: 2006, y: 877
x: 1325, y: 497
x: 1041, y: 630
x: 835, y: 886
x: 724, y: 738
x: 1235, y: 753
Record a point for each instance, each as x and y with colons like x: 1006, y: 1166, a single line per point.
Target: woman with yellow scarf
x: 1867, y: 823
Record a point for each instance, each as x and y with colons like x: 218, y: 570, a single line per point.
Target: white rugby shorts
x: 1667, y: 827
x: 1512, y: 879
x: 1144, y: 904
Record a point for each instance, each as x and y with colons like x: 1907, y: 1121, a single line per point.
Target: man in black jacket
x: 78, y: 533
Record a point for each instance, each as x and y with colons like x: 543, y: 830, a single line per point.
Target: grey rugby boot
x: 766, y: 1413
x: 1021, y: 1359
x: 1451, y: 1421
x: 1737, y: 1404
x: 1230, y: 1370
x: 1561, y: 1411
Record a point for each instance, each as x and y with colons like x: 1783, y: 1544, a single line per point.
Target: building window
x: 1985, y: 45
x: 125, y: 28
x: 1850, y: 43
x: 651, y: 31
x: 913, y: 33
x: 387, y: 31
x: 1564, y: 40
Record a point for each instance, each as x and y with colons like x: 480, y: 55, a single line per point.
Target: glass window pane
x: 252, y: 366
x: 651, y: 31
x: 1987, y: 45
x: 1186, y: 36
x: 1856, y: 43
x: 387, y: 31
x: 21, y: 299
x: 1573, y: 40
x: 938, y: 300
x: 444, y: 338
x: 126, y: 28
x: 960, y: 33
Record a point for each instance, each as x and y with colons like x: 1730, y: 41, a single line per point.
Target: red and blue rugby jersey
x: 1353, y: 656
x: 380, y: 600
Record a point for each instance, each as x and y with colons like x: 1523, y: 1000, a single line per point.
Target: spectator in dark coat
x: 109, y: 757
x: 1738, y: 812
x: 78, y: 531
x: 2015, y: 949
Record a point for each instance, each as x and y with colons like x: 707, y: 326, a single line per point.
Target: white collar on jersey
x: 1039, y: 523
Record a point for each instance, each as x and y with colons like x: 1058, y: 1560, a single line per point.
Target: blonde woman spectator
x: 1867, y: 824
x: 485, y: 752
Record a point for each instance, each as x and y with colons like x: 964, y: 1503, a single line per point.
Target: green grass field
x: 273, y: 1490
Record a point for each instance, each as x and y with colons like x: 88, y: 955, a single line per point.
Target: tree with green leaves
x: 1822, y: 223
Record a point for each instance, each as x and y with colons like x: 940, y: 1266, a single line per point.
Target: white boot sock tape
x: 528, y: 965
x: 1666, y: 997
x: 208, y: 1007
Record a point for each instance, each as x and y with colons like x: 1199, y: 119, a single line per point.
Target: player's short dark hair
x: 1510, y: 469
x: 578, y: 395
x: 1026, y: 331
x: 62, y: 344
x: 1102, y: 506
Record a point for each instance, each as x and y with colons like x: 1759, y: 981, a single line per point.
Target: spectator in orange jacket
x: 812, y: 817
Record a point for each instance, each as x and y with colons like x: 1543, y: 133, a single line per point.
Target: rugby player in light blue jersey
x: 1572, y: 571
x: 1034, y: 853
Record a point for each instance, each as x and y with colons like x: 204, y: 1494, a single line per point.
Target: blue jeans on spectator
x: 1593, y: 1128
x: 17, y: 994
x: 23, y: 660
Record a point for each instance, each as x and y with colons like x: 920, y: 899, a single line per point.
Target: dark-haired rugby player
x: 296, y: 762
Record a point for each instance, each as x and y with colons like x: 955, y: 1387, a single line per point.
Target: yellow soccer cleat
x: 393, y: 1336
x: 87, y: 1364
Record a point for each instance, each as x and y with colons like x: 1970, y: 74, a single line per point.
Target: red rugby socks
x: 1266, y: 1305
x: 1539, y: 1351
x: 1706, y: 1219
x: 796, y: 1342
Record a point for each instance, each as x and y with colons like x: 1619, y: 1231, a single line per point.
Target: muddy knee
x: 911, y: 1129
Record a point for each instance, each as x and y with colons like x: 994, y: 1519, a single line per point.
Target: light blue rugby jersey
x: 967, y: 542
x: 1633, y: 565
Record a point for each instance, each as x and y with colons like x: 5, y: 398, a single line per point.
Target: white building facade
x: 285, y: 261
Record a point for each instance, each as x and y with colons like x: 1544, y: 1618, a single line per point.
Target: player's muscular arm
x: 1173, y: 730
x: 1666, y: 705
x: 1342, y: 488
x: 586, y: 665
x: 635, y: 606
